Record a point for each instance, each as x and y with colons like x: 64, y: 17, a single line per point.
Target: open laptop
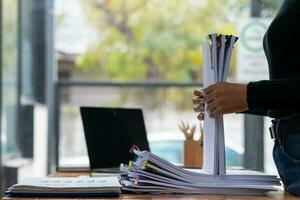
x: 110, y: 133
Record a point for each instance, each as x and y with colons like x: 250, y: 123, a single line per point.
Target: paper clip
x: 134, y: 147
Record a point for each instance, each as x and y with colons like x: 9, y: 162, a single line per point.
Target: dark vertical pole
x: 55, y: 125
x: 256, y: 7
x: 24, y: 112
x: 254, y: 125
x: 254, y: 142
x: 51, y: 77
x: 39, y: 49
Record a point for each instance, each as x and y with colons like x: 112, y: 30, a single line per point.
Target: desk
x: 280, y: 195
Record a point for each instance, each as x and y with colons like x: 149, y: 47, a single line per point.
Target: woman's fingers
x: 199, y: 93
x: 199, y: 108
x: 198, y: 100
x: 209, y: 97
x: 215, y: 113
x: 201, y: 116
x: 209, y: 89
x: 199, y: 103
x: 211, y: 106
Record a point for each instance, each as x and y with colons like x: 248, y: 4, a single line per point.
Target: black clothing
x: 286, y: 152
x: 280, y: 96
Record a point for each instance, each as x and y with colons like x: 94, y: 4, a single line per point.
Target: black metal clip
x: 272, y: 132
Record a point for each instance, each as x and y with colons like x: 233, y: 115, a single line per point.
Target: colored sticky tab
x: 144, y: 164
x: 130, y: 165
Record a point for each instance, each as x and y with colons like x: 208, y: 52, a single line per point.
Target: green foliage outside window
x: 157, y: 40
x: 152, y: 40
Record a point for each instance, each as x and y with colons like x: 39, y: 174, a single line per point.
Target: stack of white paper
x: 216, y: 59
x: 150, y: 173
x: 67, y: 186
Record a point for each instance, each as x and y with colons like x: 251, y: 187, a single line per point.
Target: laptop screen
x: 110, y: 133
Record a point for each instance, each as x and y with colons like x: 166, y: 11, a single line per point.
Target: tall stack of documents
x: 216, y: 60
x: 150, y: 173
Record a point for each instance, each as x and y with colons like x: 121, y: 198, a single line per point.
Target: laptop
x: 110, y: 133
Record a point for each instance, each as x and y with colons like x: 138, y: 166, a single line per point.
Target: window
x: 9, y: 84
x: 110, y: 52
x: 10, y: 81
x: 22, y: 84
x: 114, y: 53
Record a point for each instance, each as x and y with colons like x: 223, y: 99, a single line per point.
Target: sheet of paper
x: 209, y: 150
x: 219, y: 120
x: 68, y: 182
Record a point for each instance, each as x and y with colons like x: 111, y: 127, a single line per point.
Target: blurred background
x: 58, y: 55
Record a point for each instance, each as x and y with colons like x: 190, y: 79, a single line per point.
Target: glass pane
x: 138, y: 40
x: 151, y: 40
x: 163, y: 109
x: 9, y: 76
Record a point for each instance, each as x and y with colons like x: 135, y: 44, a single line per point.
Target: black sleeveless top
x: 280, y: 96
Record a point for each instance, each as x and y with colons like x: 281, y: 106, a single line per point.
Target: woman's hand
x: 199, y: 103
x: 221, y: 98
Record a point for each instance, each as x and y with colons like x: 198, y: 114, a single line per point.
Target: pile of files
x: 67, y: 187
x: 152, y: 174
x: 149, y: 173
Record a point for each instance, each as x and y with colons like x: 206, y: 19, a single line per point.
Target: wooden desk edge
x: 278, y: 195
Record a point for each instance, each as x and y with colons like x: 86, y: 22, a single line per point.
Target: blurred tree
x: 152, y: 40
x: 155, y: 40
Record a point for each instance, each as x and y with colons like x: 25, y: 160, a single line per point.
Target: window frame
x: 1, y: 167
x: 14, y: 154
